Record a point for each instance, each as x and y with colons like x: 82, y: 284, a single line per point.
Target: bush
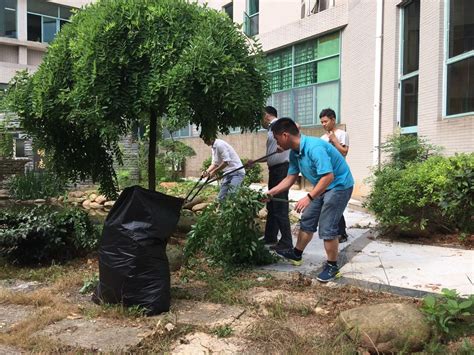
x: 228, y: 234
x: 434, y: 195
x: 42, y: 235
x: 35, y: 185
x: 252, y: 175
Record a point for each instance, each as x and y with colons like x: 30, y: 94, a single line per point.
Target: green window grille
x: 304, y: 78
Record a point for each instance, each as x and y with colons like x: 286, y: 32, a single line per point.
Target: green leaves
x: 120, y: 60
x: 449, y: 312
x: 228, y: 234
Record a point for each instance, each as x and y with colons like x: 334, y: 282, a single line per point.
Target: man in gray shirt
x: 277, y: 218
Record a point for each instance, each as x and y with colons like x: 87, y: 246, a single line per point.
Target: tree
x: 123, y: 61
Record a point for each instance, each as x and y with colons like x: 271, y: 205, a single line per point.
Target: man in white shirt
x: 225, y: 159
x: 340, y: 140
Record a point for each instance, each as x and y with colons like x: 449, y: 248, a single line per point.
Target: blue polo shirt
x: 317, y: 158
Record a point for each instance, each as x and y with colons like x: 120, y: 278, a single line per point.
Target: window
x: 251, y: 18
x: 8, y: 18
x: 460, y: 58
x: 45, y: 19
x: 410, y: 53
x: 229, y: 10
x: 322, y: 5
x: 304, y: 78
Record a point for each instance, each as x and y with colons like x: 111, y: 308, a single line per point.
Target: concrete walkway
x: 402, y: 268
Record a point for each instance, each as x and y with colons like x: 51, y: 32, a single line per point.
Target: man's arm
x: 317, y: 190
x: 284, y: 185
x: 343, y: 149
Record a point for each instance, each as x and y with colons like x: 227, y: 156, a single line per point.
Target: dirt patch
x: 202, y: 343
x: 10, y: 315
x: 8, y: 350
x: 205, y: 314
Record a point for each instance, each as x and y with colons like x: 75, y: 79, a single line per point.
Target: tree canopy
x: 123, y: 61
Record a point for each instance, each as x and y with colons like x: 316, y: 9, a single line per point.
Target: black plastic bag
x: 133, y: 266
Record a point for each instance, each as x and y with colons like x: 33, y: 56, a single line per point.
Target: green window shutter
x: 328, y: 69
x: 305, y: 52
x: 306, y: 74
x: 327, y: 95
x: 328, y: 45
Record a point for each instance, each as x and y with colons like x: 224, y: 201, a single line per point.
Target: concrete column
x: 21, y: 20
x: 22, y: 55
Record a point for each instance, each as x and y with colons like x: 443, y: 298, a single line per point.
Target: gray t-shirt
x: 278, y: 158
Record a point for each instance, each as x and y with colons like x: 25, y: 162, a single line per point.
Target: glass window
x: 410, y: 50
x: 34, y: 28
x: 229, y: 10
x: 297, y: 77
x: 461, y: 27
x: 460, y: 61
x: 409, y: 107
x: 49, y: 29
x: 411, y: 37
x: 8, y: 18
x: 43, y: 8
x: 253, y: 7
x: 20, y: 148
x: 45, y: 20
x: 460, y: 93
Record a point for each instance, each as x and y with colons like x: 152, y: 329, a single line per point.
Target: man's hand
x: 250, y: 163
x: 302, y: 204
x: 267, y: 198
x: 332, y: 137
x: 204, y: 174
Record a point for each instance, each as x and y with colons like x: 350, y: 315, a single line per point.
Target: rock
x: 200, y: 207
x: 93, y: 334
x: 175, y: 257
x: 194, y: 202
x: 100, y: 199
x: 202, y: 343
x: 260, y: 225
x: 169, y: 327
x: 109, y: 203
x: 8, y: 350
x: 96, y: 206
x: 61, y: 198
x: 206, y: 314
x: 262, y: 214
x: 40, y: 200
x: 75, y: 194
x: 12, y: 314
x: 92, y: 197
x: 76, y: 199
x: 386, y: 328
x: 86, y: 204
x: 19, y: 285
x: 186, y: 222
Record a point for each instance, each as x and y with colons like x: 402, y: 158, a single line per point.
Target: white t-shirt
x: 342, y: 137
x: 223, y: 152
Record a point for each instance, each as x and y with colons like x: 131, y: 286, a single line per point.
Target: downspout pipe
x: 377, y: 83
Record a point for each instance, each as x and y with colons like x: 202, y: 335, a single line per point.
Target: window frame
x: 314, y: 86
x: 15, y: 11
x: 58, y: 20
x: 248, y: 19
x: 402, y: 77
x: 448, y: 61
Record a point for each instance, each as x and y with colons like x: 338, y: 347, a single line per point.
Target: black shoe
x: 279, y: 246
x: 343, y: 238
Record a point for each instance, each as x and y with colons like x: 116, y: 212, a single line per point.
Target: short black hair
x: 328, y: 112
x: 271, y: 111
x: 285, y: 124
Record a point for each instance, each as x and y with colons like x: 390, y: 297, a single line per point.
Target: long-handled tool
x: 208, y: 180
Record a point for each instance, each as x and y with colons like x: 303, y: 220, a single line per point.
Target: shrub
x: 437, y: 194
x: 404, y: 149
x: 228, y: 234
x: 173, y: 157
x: 42, y: 234
x: 124, y: 178
x: 449, y: 313
x: 35, y: 185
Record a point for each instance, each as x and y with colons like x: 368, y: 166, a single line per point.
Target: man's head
x: 328, y: 119
x: 209, y: 141
x: 286, y: 133
x: 269, y: 114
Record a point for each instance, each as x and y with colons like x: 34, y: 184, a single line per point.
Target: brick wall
x: 9, y: 167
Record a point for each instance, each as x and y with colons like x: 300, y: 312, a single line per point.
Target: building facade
x: 384, y: 66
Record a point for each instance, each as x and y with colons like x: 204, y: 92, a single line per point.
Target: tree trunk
x: 152, y: 152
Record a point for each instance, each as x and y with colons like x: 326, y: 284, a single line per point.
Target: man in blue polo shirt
x: 321, y: 164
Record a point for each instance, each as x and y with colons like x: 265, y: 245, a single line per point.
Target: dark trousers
x: 342, y: 226
x: 277, y: 218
